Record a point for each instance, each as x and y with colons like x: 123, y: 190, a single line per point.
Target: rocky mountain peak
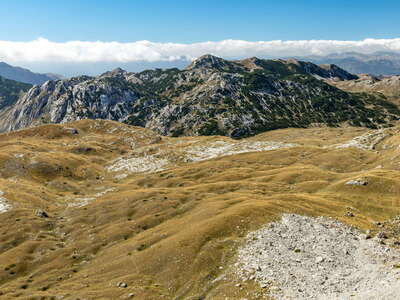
x: 209, y: 61
x: 115, y: 72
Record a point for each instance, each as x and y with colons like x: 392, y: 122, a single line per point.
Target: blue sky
x: 91, y: 36
x: 195, y: 21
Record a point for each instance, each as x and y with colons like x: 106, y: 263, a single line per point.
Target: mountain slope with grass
x: 212, y: 96
x: 388, y: 86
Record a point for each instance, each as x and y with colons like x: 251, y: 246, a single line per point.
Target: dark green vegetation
x: 10, y: 90
x: 251, y: 96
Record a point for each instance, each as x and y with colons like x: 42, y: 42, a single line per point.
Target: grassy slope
x: 171, y: 233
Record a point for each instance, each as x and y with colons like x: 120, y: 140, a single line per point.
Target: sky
x: 70, y: 36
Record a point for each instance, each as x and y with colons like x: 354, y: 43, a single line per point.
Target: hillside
x: 103, y: 210
x: 389, y: 86
x: 10, y: 91
x: 212, y: 96
x: 24, y: 75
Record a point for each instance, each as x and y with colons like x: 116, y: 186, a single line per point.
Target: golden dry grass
x: 169, y: 234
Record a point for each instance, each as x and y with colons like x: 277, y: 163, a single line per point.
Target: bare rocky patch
x: 83, y: 201
x: 367, y: 141
x: 222, y: 148
x: 4, y: 205
x: 163, y: 158
x: 147, y: 163
x: 302, y: 257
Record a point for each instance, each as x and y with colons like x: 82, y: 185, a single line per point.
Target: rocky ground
x: 302, y: 257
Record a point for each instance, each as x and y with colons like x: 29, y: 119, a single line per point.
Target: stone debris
x: 333, y: 261
x: 144, y: 164
x: 80, y: 202
x: 4, y: 205
x: 71, y: 130
x: 222, y: 148
x: 381, y: 235
x: 149, y: 163
x: 367, y: 141
x: 359, y: 182
x: 122, y: 285
x: 41, y: 213
x: 349, y: 214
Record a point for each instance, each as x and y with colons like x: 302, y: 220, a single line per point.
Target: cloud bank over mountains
x: 43, y: 50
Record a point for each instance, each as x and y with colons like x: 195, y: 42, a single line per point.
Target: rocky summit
x: 212, y: 96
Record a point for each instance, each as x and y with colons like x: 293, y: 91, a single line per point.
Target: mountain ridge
x: 212, y: 96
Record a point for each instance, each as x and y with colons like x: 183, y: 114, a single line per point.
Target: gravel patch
x: 80, y: 202
x: 222, y: 148
x: 302, y: 257
x: 4, y: 205
x: 367, y: 141
x: 357, y: 182
x: 148, y: 163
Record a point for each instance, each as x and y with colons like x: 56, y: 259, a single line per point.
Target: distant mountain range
x: 212, y: 96
x: 380, y: 63
x: 24, y: 75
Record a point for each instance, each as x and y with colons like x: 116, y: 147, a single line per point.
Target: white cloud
x: 43, y: 50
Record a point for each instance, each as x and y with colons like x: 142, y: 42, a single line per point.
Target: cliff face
x: 211, y: 96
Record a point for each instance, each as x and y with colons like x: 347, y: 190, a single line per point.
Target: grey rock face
x: 69, y: 100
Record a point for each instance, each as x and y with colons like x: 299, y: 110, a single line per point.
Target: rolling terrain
x: 97, y: 209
